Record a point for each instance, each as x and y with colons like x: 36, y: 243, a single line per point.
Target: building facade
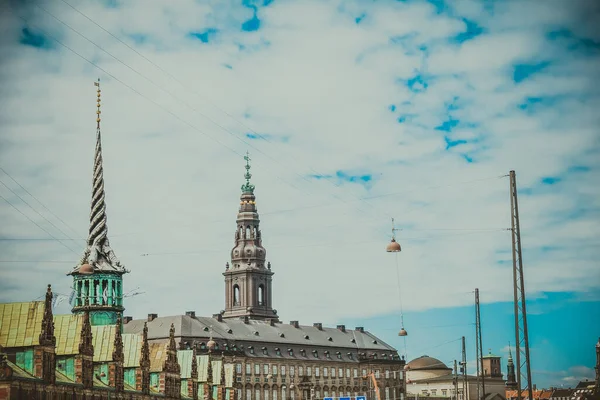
x: 244, y: 352
x: 276, y: 360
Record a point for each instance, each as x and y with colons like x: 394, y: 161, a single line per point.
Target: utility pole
x: 464, y: 369
x: 479, y: 346
x: 455, y: 380
x: 521, y: 334
x: 477, y: 349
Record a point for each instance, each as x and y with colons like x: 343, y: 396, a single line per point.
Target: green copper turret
x: 98, y: 277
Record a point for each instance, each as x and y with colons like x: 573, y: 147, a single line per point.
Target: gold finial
x: 97, y: 84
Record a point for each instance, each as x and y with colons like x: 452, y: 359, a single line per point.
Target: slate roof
x: 232, y: 330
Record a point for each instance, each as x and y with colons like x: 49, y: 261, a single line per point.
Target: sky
x: 354, y: 113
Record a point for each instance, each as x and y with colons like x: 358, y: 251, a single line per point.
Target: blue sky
x: 354, y: 112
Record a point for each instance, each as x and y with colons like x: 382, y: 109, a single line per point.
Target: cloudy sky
x: 353, y: 112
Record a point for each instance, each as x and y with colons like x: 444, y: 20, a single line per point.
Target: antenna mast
x: 464, y: 369
x: 479, y: 346
x: 521, y: 335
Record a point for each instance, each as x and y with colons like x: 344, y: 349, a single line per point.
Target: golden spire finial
x: 97, y: 84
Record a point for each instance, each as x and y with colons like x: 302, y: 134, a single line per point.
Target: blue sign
x: 344, y: 398
x: 328, y: 398
x: 361, y: 398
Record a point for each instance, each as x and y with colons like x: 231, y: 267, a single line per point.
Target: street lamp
x: 393, y: 246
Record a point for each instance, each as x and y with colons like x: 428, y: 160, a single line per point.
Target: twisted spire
x: 98, y: 252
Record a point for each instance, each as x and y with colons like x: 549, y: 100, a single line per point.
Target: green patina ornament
x: 247, y: 187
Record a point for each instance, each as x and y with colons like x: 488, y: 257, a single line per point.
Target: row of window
x: 274, y: 394
x: 290, y: 351
x: 326, y: 372
x: 433, y: 392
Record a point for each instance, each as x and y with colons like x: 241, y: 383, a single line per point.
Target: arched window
x: 248, y: 232
x: 261, y: 295
x: 236, y: 295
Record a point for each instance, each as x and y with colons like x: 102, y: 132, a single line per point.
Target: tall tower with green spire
x: 98, y: 277
x: 511, y: 378
x: 248, y: 280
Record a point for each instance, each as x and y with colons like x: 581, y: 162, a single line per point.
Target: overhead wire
x: 170, y: 112
x: 364, y: 200
x: 187, y: 87
x: 183, y: 102
x: 39, y: 202
x: 181, y: 119
x: 38, y: 225
x: 36, y: 211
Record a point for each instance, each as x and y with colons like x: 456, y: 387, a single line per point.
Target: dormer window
x: 339, y: 355
x: 281, y: 334
x: 315, y: 353
x: 374, y: 341
x: 330, y: 339
x: 350, y: 356
x: 202, y: 346
x: 251, y: 348
x: 206, y: 329
x: 255, y: 333
x: 327, y: 354
x: 264, y: 350
x: 353, y: 340
x: 303, y: 352
x: 229, y: 330
x: 291, y: 352
x: 306, y: 337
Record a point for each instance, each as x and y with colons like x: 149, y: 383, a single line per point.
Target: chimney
x: 295, y: 324
x: 360, y: 329
x: 127, y: 320
x: 218, y: 317
x: 342, y: 328
x: 152, y: 317
x: 191, y: 314
x: 318, y: 325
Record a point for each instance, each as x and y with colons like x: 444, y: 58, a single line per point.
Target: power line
x: 336, y: 244
x: 364, y: 200
x: 36, y: 224
x: 36, y: 211
x: 181, y: 101
x: 199, y: 95
x: 39, y: 202
x: 170, y: 112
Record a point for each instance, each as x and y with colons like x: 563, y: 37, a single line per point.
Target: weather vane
x: 247, y: 187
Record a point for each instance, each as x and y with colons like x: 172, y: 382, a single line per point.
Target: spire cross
x: 247, y: 187
x: 97, y: 84
x: 248, y: 175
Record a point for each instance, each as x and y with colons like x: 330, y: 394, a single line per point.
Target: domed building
x: 426, y: 367
x: 429, y: 377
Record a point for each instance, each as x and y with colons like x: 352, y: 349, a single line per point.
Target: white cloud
x: 172, y: 190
